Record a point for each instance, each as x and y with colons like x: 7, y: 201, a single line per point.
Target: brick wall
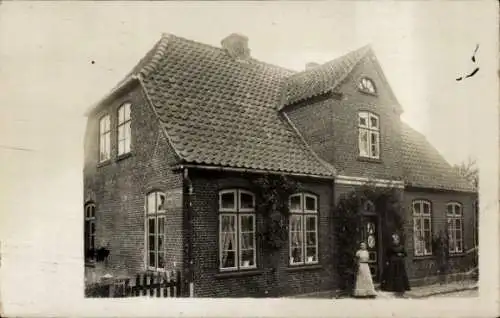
x: 273, y: 277
x: 120, y: 186
x: 419, y: 267
x: 330, y: 125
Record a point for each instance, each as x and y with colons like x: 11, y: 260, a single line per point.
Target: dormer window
x: 366, y: 85
x: 369, y: 135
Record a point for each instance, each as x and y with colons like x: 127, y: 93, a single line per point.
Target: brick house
x: 170, y: 151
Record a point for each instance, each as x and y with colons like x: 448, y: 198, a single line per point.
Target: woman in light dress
x: 364, y: 283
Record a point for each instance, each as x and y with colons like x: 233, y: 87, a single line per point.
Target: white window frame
x: 452, y: 230
x: 90, y: 235
x: 420, y: 217
x: 105, y: 138
x: 371, y: 131
x: 238, y: 212
x: 158, y: 213
x: 304, y: 214
x: 367, y: 85
x: 124, y: 128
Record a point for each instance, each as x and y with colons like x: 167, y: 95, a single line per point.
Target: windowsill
x: 368, y: 159
x: 124, y: 156
x: 103, y: 163
x: 302, y: 267
x: 240, y: 273
x: 367, y: 92
x: 423, y: 257
x: 460, y: 254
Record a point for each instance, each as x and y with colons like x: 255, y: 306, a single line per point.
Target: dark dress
x: 395, y: 278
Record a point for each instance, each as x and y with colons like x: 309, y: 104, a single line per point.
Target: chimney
x: 236, y: 45
x: 311, y: 65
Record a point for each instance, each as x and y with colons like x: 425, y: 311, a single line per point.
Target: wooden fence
x: 149, y: 284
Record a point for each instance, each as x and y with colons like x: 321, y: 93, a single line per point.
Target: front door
x: 369, y: 235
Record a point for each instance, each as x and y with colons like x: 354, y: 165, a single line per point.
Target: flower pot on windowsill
x: 246, y: 263
x: 310, y: 259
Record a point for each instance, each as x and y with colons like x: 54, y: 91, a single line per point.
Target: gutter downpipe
x: 188, y: 191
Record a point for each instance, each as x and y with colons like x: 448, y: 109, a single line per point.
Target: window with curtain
x: 237, y: 246
x: 422, y: 227
x: 105, y: 138
x: 368, y: 135
x: 155, y: 230
x: 303, y: 227
x: 89, y: 232
x: 124, y: 132
x: 455, y: 227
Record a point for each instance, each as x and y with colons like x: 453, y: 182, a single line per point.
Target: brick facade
x: 118, y: 187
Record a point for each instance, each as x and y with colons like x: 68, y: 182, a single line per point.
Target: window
x: 104, y: 138
x: 89, y: 232
x: 237, y: 247
x: 303, y: 229
x: 369, y: 135
x: 422, y: 228
x: 155, y: 230
x: 455, y: 227
x: 124, y: 132
x: 476, y: 223
x: 367, y: 85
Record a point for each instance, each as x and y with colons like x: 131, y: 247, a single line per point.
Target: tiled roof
x: 322, y: 78
x: 218, y: 111
x: 425, y: 167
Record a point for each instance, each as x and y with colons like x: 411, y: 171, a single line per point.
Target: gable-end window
x: 303, y: 229
x: 422, y: 227
x: 124, y: 132
x: 237, y: 247
x: 454, y: 215
x: 369, y: 135
x: 155, y: 230
x: 367, y: 85
x: 104, y: 138
x: 89, y: 232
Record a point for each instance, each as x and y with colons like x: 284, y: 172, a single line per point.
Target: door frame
x: 380, y: 256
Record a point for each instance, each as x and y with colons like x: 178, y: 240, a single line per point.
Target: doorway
x: 370, y: 234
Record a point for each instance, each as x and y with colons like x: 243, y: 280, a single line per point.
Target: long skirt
x: 364, y: 283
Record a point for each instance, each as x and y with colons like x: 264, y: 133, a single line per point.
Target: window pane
x: 427, y: 224
x: 295, y: 223
x: 128, y: 137
x: 151, y: 202
x: 295, y: 203
x: 311, y: 239
x: 228, y: 259
x: 450, y: 209
x: 310, y: 203
x: 246, y: 240
x: 151, y: 243
x: 311, y: 223
x: 459, y: 246
x: 363, y: 142
x: 246, y: 201
x: 127, y: 111
x: 373, y: 122
x: 121, y: 147
x: 296, y: 255
x: 363, y: 119
x: 227, y: 200
x: 152, y: 261
x: 428, y: 242
x: 92, y: 211
x: 416, y: 208
x: 151, y: 227
x: 161, y: 260
x: 417, y: 224
x: 311, y: 254
x: 228, y: 223
x: 247, y: 258
x: 458, y: 210
x: 374, y: 144
x: 160, y: 243
x: 427, y: 208
x: 246, y: 223
x: 92, y: 228
x: 161, y: 225
x: 160, y: 200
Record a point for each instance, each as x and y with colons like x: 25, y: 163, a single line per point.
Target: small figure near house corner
x: 364, y: 283
x: 395, y: 278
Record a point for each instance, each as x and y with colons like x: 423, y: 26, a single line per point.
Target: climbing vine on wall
x: 272, y: 193
x: 348, y: 225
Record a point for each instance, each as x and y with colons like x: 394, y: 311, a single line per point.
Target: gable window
x: 303, y: 229
x: 369, y: 135
x: 104, y: 138
x: 89, y: 232
x: 237, y: 247
x: 454, y: 216
x: 367, y: 85
x: 422, y: 227
x: 124, y: 132
x: 155, y: 230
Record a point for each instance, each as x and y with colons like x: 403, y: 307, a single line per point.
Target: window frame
x: 123, y: 123
x: 363, y: 87
x: 304, y: 215
x: 369, y: 130
x: 421, y: 217
x: 89, y: 236
x: 238, y: 213
x: 157, y: 214
x: 451, y: 218
x: 106, y: 135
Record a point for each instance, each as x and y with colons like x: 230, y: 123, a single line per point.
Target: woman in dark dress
x: 395, y: 278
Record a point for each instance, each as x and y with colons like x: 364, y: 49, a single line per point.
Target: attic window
x: 367, y: 85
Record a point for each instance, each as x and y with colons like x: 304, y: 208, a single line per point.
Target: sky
x: 59, y: 58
